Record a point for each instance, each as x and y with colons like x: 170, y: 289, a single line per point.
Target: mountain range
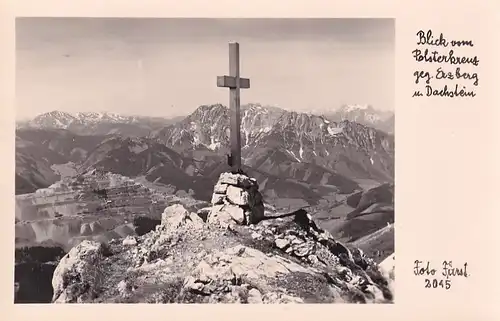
x: 97, y: 123
x: 112, y: 123
x: 272, y: 137
x: 319, y: 157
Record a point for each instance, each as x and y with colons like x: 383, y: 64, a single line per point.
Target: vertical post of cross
x: 234, y: 83
x: 234, y: 105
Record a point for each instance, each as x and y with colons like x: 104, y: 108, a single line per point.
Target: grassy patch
x: 155, y: 293
x: 264, y: 245
x: 312, y: 288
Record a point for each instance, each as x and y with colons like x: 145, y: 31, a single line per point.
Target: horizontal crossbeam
x: 230, y: 82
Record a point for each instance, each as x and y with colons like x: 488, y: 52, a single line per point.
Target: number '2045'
x: 434, y: 283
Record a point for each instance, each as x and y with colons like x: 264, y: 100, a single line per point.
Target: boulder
x: 218, y: 216
x: 124, y: 288
x: 203, y: 213
x: 236, y: 213
x: 129, y: 241
x: 254, y: 296
x: 235, y: 180
x: 256, y: 235
x: 387, y: 266
x: 280, y: 298
x: 220, y: 188
x: 226, y: 214
x: 218, y: 199
x: 176, y: 216
x: 237, y: 195
x: 77, y: 277
x: 281, y: 243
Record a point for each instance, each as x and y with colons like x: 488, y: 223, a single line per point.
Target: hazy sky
x: 168, y: 67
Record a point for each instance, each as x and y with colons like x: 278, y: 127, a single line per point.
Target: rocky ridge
x: 208, y: 127
x: 193, y: 258
x: 272, y: 136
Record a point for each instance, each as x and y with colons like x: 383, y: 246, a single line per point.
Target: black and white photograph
x: 204, y: 160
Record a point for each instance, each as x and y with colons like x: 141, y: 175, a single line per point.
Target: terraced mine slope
x: 93, y: 206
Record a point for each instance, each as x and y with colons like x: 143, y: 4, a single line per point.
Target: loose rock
x: 129, y: 241
x: 254, y: 296
x: 281, y: 243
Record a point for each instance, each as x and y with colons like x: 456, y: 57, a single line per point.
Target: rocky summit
x: 226, y: 253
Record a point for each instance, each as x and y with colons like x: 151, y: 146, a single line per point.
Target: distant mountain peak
x: 364, y: 114
x: 353, y: 107
x: 213, y: 109
x: 58, y: 113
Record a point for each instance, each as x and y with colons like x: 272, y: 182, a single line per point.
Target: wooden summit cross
x: 234, y: 83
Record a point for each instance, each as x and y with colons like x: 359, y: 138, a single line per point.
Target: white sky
x: 168, y: 67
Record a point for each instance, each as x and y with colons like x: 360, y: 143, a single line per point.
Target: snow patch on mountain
x: 349, y: 108
x: 196, y: 141
x: 214, y: 145
x: 334, y: 130
x: 137, y: 149
x: 373, y: 118
x: 293, y: 155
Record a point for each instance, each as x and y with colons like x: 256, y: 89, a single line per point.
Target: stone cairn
x: 236, y: 199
